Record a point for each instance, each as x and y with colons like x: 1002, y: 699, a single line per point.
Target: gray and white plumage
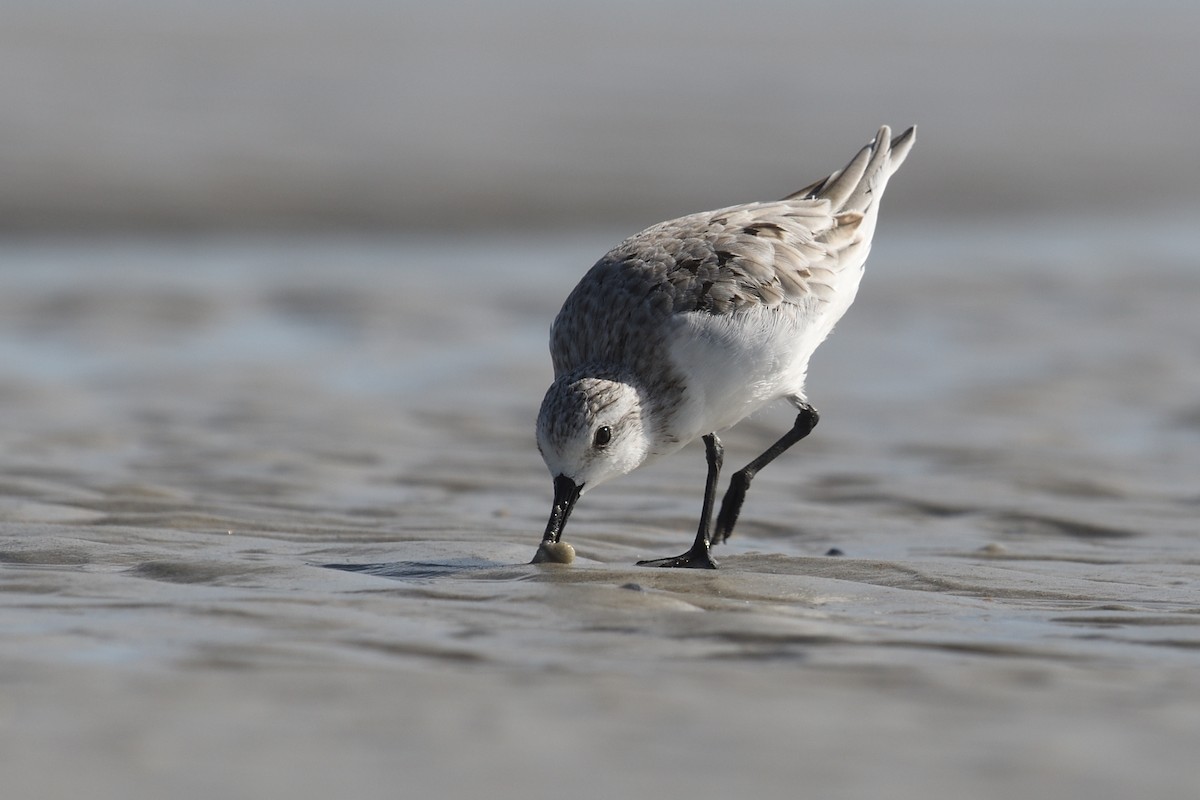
x: 687, y: 327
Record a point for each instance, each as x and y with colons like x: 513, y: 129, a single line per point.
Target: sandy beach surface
x: 267, y: 518
x: 275, y: 286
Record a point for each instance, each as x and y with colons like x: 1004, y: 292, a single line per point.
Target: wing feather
x: 806, y: 250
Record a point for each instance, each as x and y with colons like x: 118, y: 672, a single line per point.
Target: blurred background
x: 367, y: 115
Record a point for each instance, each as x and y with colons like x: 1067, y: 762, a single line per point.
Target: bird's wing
x: 734, y: 258
x: 807, y: 249
x: 791, y: 251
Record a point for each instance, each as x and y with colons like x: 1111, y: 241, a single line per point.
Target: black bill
x: 565, y: 495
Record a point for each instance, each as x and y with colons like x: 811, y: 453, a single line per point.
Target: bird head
x: 589, y: 430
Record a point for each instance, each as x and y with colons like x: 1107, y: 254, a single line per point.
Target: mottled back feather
x: 722, y: 262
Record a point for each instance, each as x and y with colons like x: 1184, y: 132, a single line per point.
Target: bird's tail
x: 857, y: 186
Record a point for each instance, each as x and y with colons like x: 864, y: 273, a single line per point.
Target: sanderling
x: 688, y: 327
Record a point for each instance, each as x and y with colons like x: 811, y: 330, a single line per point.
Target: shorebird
x: 684, y: 329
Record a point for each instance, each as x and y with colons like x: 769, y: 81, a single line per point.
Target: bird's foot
x: 696, y: 558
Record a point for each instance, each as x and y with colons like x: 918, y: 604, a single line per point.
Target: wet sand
x: 266, y: 508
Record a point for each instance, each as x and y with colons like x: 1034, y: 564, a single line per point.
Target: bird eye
x: 603, y: 436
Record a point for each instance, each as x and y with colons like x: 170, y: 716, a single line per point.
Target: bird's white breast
x: 736, y: 364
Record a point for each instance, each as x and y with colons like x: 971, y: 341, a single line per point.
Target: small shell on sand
x: 554, y: 553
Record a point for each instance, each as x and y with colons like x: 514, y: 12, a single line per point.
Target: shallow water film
x: 274, y: 506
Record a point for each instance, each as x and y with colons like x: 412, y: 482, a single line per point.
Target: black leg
x: 731, y: 505
x: 698, y: 557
